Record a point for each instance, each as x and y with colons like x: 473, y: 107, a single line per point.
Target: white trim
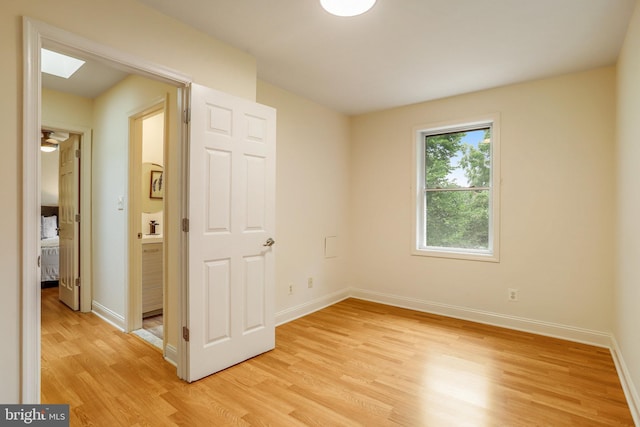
x: 133, y: 288
x: 55, y: 37
x: 630, y: 390
x: 417, y: 188
x: 35, y: 34
x: 30, y: 224
x: 114, y: 319
x: 301, y: 310
x: 171, y: 355
x: 555, y: 330
x: 182, y: 353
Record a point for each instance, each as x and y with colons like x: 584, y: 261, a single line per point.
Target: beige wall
x: 351, y: 178
x: 557, y: 138
x: 49, y: 178
x: 627, y: 291
x: 125, y: 25
x: 110, y: 167
x: 61, y: 111
x: 312, y: 197
x: 66, y: 110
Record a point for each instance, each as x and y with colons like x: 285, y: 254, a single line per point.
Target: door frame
x: 85, y: 206
x: 134, y: 318
x: 35, y: 35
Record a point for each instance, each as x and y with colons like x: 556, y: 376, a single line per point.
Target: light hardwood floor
x: 154, y: 325
x: 354, y: 363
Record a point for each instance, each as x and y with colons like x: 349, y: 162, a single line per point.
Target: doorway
x: 37, y: 35
x: 223, y: 176
x: 60, y: 132
x: 60, y: 186
x: 147, y: 181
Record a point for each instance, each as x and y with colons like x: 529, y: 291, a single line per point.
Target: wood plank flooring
x: 154, y: 325
x: 355, y: 363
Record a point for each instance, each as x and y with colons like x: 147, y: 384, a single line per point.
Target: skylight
x: 58, y: 64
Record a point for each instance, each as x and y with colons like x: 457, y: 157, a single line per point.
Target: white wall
x: 627, y: 291
x: 312, y: 199
x: 557, y: 139
x: 128, y: 26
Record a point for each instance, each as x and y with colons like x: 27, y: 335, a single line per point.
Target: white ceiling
x: 408, y: 51
x: 401, y: 51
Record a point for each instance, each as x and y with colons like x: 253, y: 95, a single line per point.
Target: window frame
x: 418, y: 245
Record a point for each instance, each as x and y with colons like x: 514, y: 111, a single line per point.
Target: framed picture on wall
x: 156, y: 186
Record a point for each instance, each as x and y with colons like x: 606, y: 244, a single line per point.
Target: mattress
x: 50, y: 259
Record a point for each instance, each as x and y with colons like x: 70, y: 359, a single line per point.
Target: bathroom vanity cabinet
x: 151, y: 277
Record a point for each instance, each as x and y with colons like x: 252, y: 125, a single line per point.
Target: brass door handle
x: 269, y: 242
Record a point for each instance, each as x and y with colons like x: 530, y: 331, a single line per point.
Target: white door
x: 231, y: 225
x: 68, y: 202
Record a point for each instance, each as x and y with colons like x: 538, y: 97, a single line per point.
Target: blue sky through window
x: 473, y: 138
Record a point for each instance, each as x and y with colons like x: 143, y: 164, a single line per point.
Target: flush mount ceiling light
x: 347, y: 7
x: 58, y: 64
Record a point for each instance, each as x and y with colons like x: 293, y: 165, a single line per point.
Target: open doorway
x: 60, y: 186
x: 199, y: 200
x: 147, y: 182
x: 106, y: 138
x: 121, y: 117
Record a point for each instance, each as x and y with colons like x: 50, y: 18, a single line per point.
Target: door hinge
x: 187, y: 115
x: 77, y: 282
x: 185, y: 333
x: 77, y: 218
x: 185, y: 225
x: 77, y: 154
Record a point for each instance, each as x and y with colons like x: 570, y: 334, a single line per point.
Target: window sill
x: 453, y: 254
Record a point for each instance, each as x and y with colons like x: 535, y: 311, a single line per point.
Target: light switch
x: 120, y: 203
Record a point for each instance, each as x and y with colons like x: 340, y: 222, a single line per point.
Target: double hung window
x: 457, y: 186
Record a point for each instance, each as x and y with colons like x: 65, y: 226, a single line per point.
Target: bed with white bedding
x: 50, y: 261
x: 49, y: 246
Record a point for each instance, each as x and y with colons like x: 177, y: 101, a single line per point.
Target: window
x: 457, y: 190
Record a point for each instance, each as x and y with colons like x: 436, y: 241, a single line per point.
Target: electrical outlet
x: 290, y: 289
x: 513, y: 294
x: 310, y: 282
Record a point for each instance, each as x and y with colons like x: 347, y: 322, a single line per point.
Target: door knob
x: 269, y: 242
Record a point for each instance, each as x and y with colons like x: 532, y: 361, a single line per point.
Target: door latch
x: 269, y: 242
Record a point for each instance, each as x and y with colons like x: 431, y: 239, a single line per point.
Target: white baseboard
x: 570, y: 333
x: 171, y: 355
x: 630, y: 390
x: 309, y: 307
x: 108, y: 315
x: 586, y: 336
